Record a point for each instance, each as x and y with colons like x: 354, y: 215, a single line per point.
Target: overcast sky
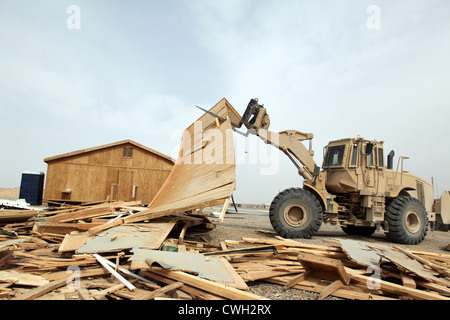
x: 78, y: 77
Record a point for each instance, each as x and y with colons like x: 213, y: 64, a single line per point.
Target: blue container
x: 32, y: 187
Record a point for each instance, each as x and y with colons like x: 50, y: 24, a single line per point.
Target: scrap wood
x: 41, y: 290
x: 212, y: 268
x: 191, y: 291
x: 394, y: 288
x: 103, y: 262
x: 16, y: 216
x: 325, y: 292
x: 124, y: 237
x: 326, y: 266
x: 160, y: 291
x: 348, y: 270
x: 444, y: 271
x: 21, y: 278
x: 74, y: 241
x: 81, y: 212
x: 270, y: 249
x: 413, y: 267
x: 111, y: 289
x: 207, y: 285
x: 314, y: 285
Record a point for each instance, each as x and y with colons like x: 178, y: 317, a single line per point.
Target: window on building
x: 127, y: 152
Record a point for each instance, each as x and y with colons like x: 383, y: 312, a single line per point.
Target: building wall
x: 95, y: 175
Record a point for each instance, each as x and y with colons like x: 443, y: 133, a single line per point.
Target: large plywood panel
x: 204, y: 173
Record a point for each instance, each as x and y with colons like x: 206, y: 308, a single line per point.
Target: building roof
x: 114, y: 144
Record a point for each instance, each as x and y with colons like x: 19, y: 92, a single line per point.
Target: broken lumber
x: 160, y: 291
x: 41, y: 290
x: 395, y: 288
x: 324, y: 265
x: 207, y: 285
x: 113, y: 272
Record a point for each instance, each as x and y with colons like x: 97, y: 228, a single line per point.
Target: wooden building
x: 123, y: 170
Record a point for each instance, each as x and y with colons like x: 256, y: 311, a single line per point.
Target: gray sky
x: 135, y: 70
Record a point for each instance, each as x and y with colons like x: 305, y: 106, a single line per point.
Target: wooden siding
x: 97, y: 173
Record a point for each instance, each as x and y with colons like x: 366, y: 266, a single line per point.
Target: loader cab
x: 352, y: 164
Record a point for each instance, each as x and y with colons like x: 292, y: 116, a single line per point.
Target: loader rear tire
x: 296, y: 213
x: 407, y: 220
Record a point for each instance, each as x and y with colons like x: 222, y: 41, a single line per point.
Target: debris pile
x: 56, y: 256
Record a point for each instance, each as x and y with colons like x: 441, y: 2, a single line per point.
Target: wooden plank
x: 297, y: 279
x: 407, y: 280
x: 209, y: 286
x: 341, y: 292
x: 74, y: 241
x: 325, y: 292
x: 395, y: 288
x: 193, y: 292
x: 439, y: 269
x: 99, y: 295
x: 238, y: 283
x: 83, y: 274
x: 41, y: 290
x: 113, y: 272
x: 160, y: 291
x: 54, y: 227
x: 324, y: 264
x: 21, y: 278
x: 224, y: 210
x: 5, y: 256
x: 84, y: 294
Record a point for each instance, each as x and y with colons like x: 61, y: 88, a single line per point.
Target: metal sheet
x: 207, y: 267
x: 149, y: 235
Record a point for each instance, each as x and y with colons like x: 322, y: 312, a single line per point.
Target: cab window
x: 354, y: 156
x: 380, y: 158
x: 370, y: 159
x: 335, y: 156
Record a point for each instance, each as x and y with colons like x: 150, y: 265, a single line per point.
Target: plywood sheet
x: 205, y: 168
x: 207, y: 267
x: 149, y: 235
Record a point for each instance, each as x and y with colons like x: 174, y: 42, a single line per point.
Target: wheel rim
x: 413, y: 221
x: 295, y: 214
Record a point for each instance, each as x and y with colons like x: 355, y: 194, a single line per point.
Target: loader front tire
x: 296, y: 213
x: 407, y: 220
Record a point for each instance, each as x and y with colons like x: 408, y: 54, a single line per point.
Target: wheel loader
x: 355, y: 189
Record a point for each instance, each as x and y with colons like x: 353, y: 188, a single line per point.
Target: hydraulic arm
x: 257, y: 121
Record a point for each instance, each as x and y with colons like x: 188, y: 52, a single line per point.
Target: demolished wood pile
x: 154, y: 260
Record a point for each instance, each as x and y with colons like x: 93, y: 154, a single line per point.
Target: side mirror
x: 369, y: 148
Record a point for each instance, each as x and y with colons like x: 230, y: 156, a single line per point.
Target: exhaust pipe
x: 390, y: 160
